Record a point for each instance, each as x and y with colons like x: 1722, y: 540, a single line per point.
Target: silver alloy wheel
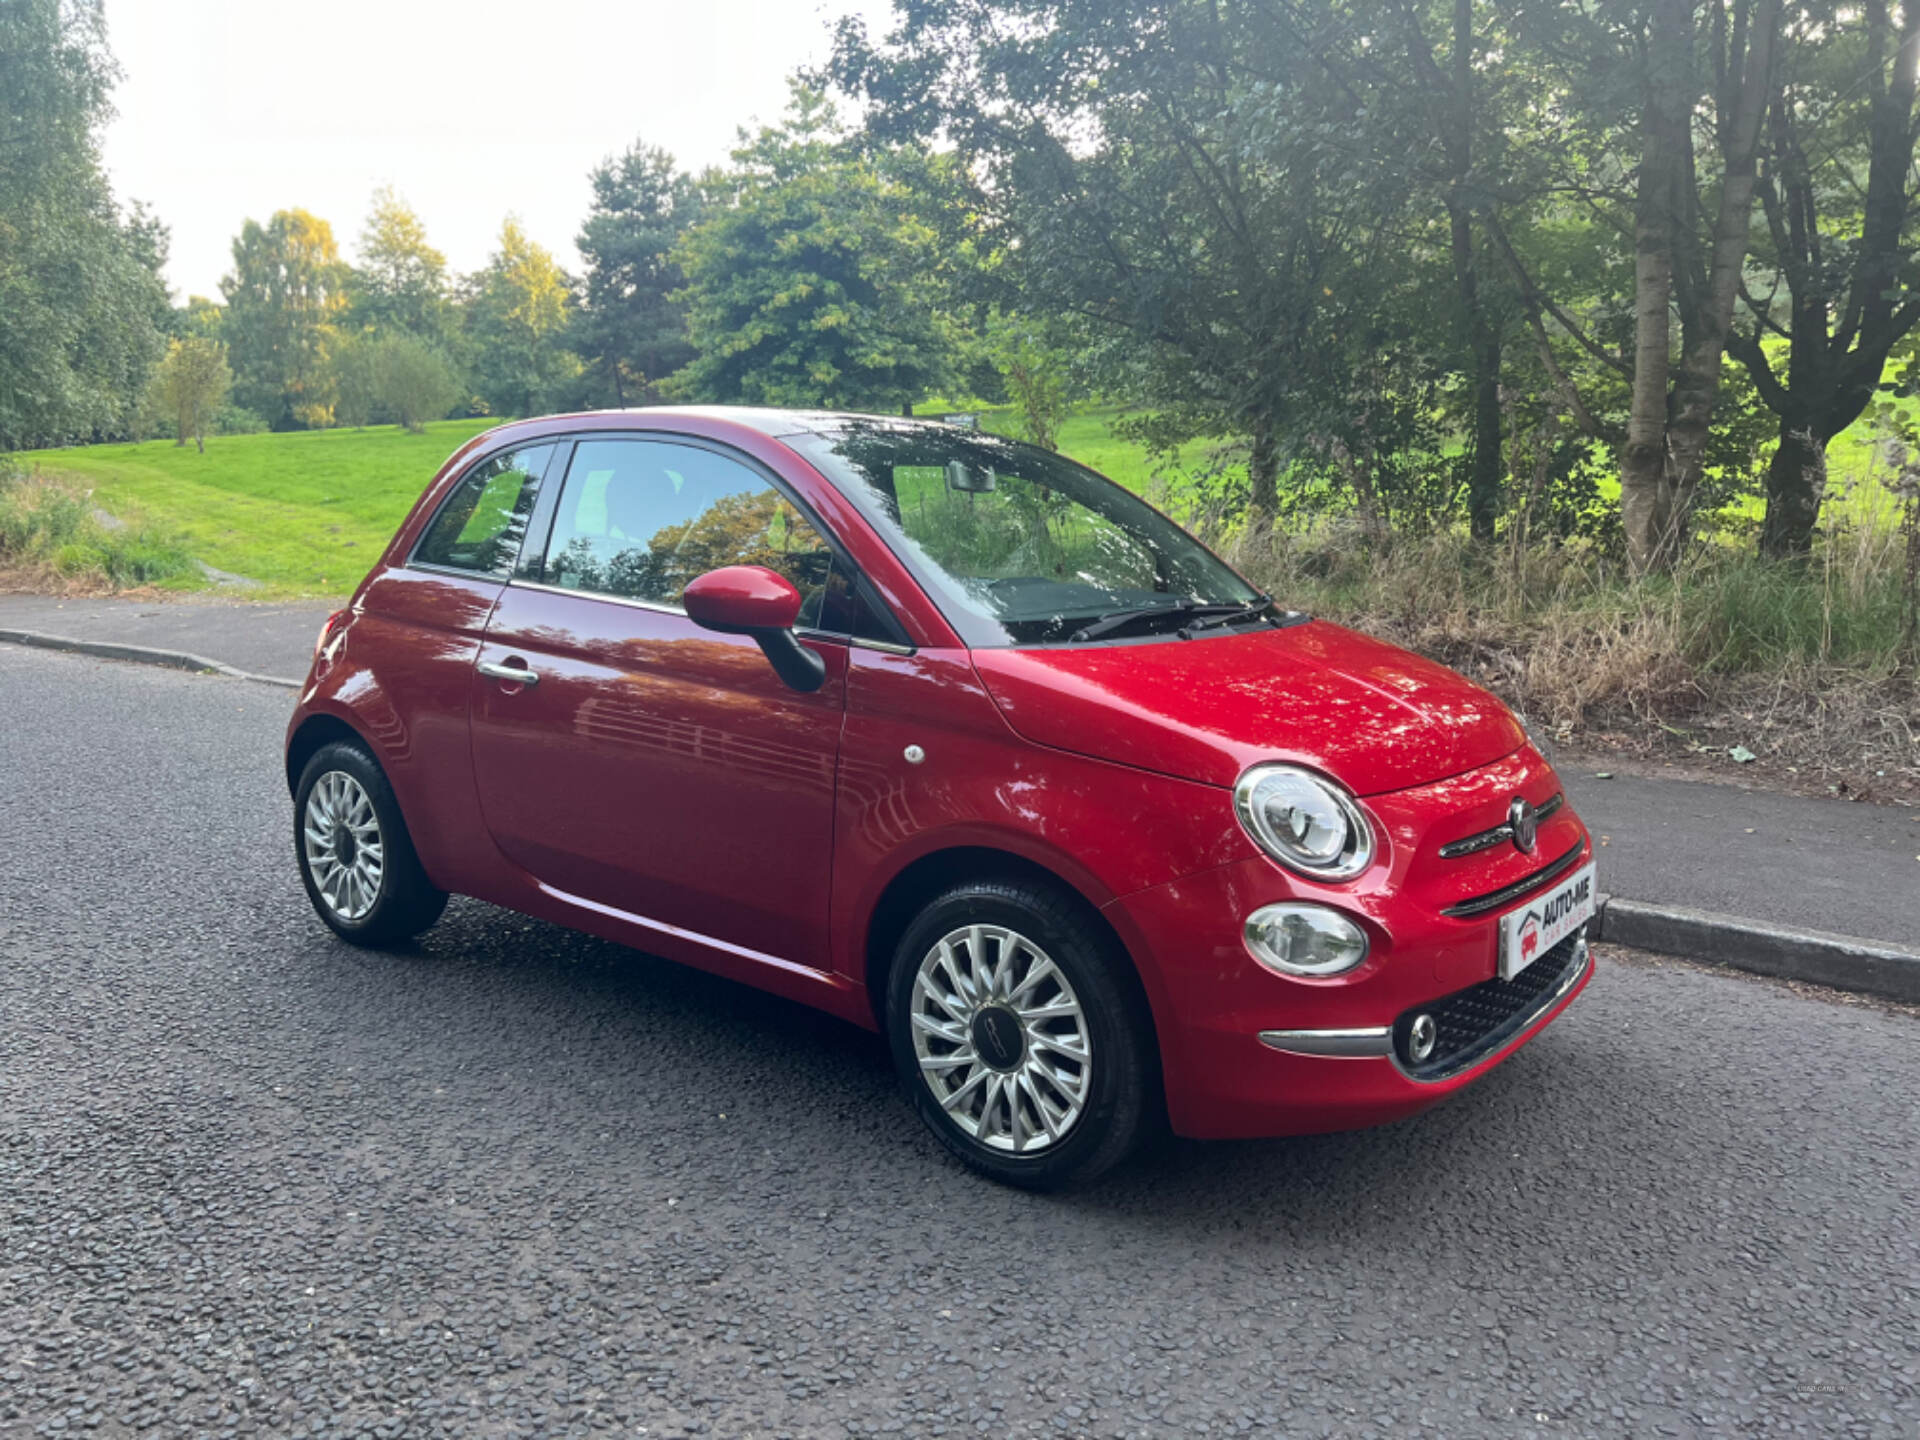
x: 346, y: 854
x: 1001, y: 1039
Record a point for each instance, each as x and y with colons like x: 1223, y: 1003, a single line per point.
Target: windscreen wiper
x: 1120, y: 619
x: 1232, y: 615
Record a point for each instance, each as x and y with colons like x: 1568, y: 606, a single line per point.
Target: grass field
x: 306, y: 513
x: 303, y: 513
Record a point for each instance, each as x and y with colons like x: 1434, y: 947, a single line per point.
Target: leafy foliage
x: 519, y: 312
x: 82, y: 306
x: 286, y: 297
x: 632, y: 331
x: 192, y: 384
x: 813, y: 278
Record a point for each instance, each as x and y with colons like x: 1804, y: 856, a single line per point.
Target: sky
x: 470, y: 109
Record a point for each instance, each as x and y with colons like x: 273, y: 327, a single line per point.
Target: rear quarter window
x: 482, y: 523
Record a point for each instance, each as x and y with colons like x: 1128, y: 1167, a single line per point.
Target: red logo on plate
x: 1530, y: 937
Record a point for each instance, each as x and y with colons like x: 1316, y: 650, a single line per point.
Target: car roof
x: 768, y: 421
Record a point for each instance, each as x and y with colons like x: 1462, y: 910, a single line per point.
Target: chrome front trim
x: 1487, y: 839
x: 1369, y: 1043
x: 1507, y: 894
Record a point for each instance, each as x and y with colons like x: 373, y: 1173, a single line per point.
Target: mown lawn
x: 306, y: 513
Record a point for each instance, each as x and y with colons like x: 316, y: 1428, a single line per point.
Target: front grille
x: 1507, y: 894
x: 1475, y: 1022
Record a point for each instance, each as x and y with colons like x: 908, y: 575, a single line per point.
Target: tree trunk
x: 1796, y: 481
x: 200, y: 439
x: 1263, y: 474
x: 1483, y: 481
x: 1710, y: 317
x: 1646, y: 490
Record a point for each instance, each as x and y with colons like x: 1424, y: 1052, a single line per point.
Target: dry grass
x: 1809, y: 666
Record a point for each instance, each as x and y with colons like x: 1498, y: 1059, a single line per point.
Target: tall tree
x: 1632, y: 76
x: 632, y: 332
x: 1177, y: 171
x: 401, y: 281
x: 285, y: 299
x: 519, y: 309
x: 1842, y: 107
x: 812, y: 278
x: 82, y: 305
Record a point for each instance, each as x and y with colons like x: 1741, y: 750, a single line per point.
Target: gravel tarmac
x: 517, y: 1181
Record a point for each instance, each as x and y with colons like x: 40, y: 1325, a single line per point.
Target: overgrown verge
x: 51, y: 537
x: 1811, y: 666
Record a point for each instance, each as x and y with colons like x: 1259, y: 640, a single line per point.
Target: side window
x: 483, y: 521
x: 640, y: 518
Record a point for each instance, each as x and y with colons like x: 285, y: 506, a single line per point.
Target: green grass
x: 307, y: 513
x: 50, y: 527
x: 304, y: 513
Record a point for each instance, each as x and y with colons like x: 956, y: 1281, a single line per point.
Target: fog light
x: 1305, y: 940
x: 1422, y: 1036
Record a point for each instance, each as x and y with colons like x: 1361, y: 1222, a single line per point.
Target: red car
x: 959, y: 741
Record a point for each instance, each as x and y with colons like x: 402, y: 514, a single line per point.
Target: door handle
x: 517, y: 674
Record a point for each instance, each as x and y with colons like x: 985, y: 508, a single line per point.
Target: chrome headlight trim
x: 1356, y: 851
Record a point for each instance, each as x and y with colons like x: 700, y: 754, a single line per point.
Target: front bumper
x: 1247, y: 1052
x: 1472, y: 1026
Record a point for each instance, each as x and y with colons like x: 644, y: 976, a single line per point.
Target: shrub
x: 51, y: 526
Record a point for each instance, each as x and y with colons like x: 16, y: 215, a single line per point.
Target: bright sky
x: 471, y: 109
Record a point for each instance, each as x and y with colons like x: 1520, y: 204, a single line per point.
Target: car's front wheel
x: 1020, y: 1035
x: 356, y: 857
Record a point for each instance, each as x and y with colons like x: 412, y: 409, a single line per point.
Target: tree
x: 401, y: 281
x: 813, y: 279
x: 1035, y: 359
x: 519, y: 309
x: 632, y: 332
x: 193, y: 382
x: 285, y: 300
x: 82, y: 304
x: 1842, y: 106
x: 416, y: 381
x: 1180, y: 172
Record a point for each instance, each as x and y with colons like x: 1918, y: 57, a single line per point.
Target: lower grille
x: 1475, y: 1022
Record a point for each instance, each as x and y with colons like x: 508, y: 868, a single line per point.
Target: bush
x: 392, y: 379
x: 51, y: 526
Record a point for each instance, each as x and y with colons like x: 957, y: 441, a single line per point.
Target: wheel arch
x: 925, y: 877
x: 318, y: 729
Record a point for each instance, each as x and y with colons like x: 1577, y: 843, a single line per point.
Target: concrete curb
x: 142, y: 655
x: 1846, y: 962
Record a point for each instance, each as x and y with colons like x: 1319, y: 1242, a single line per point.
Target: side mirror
x: 753, y: 600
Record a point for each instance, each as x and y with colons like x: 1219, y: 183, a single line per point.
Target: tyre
x: 1020, y: 1034
x: 356, y: 858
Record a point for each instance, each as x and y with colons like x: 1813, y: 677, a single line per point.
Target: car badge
x: 1524, y: 821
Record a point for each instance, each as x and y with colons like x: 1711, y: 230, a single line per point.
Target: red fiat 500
x: 957, y: 740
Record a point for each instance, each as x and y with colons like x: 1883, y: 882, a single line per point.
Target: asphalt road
x: 520, y: 1181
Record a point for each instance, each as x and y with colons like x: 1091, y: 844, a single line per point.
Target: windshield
x: 1018, y: 546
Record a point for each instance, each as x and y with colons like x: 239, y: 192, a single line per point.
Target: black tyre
x: 1020, y: 1034
x: 356, y: 858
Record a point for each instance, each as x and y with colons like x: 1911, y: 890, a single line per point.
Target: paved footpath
x: 1786, y: 860
x: 518, y: 1181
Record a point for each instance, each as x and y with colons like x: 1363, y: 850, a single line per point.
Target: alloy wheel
x: 1001, y: 1040
x: 345, y: 851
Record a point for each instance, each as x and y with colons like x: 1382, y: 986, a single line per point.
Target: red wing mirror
x: 753, y: 600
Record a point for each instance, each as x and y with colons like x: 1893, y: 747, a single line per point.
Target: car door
x: 647, y: 765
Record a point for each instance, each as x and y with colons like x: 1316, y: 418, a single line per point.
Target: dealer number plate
x: 1544, y: 921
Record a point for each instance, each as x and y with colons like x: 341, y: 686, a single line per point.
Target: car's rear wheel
x: 356, y: 858
x: 1020, y: 1035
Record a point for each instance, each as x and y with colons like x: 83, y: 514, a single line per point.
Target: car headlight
x: 1308, y: 824
x: 1305, y: 940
